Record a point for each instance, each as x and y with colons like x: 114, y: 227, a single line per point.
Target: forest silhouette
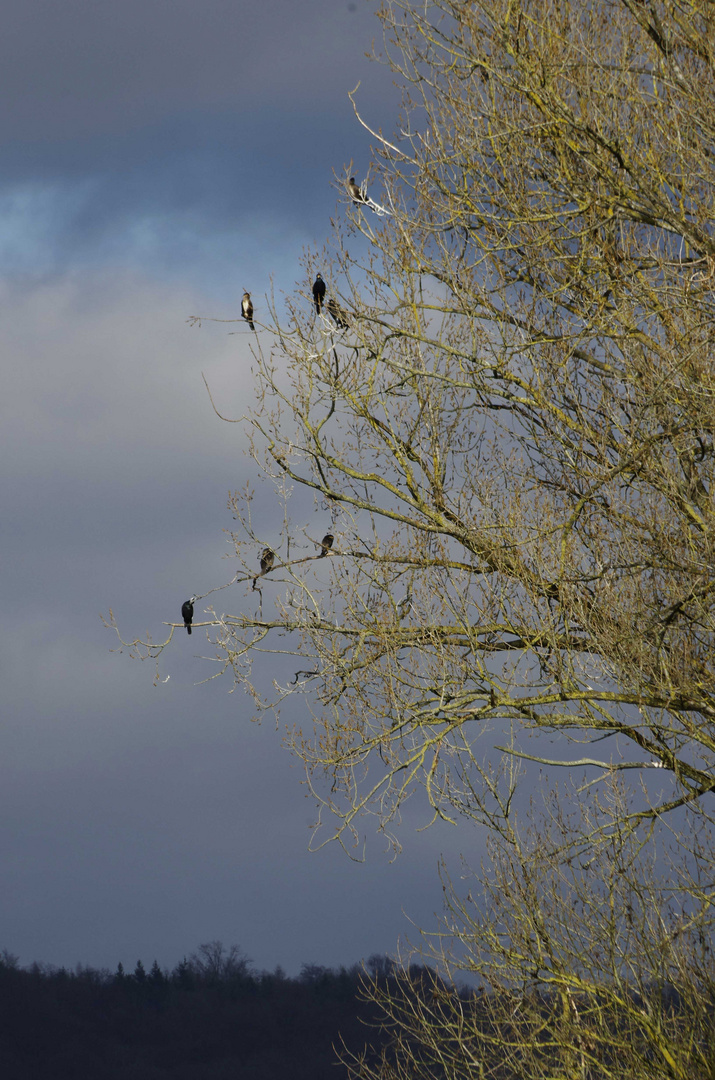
x: 210, y: 1018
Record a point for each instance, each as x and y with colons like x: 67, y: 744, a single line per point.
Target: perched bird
x: 187, y: 613
x: 326, y: 543
x: 404, y: 606
x: 267, y: 558
x: 247, y: 309
x: 338, y: 314
x: 319, y: 293
x: 360, y: 197
x: 354, y: 191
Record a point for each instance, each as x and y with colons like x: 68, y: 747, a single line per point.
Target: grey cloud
x: 166, y: 132
x: 75, y: 69
x: 139, y: 820
x: 188, y: 211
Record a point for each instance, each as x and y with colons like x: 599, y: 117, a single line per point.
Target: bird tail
x: 188, y: 630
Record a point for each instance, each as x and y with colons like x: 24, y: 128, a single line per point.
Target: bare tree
x: 216, y: 962
x: 512, y: 439
x: 581, y: 968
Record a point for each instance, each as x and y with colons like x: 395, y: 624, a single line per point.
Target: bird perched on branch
x: 318, y: 293
x: 404, y: 606
x: 187, y: 613
x: 247, y: 309
x: 326, y: 543
x: 267, y: 558
x: 360, y: 197
x: 337, y: 313
x: 354, y: 191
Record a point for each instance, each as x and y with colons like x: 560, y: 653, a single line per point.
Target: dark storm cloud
x: 76, y: 69
x: 185, y: 201
x: 162, y: 129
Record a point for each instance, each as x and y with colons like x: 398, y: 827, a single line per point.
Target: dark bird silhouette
x: 187, y: 613
x: 267, y: 558
x: 354, y: 191
x: 326, y: 543
x: 338, y: 314
x: 319, y: 293
x: 247, y: 309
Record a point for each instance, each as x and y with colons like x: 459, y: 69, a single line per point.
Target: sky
x: 158, y: 157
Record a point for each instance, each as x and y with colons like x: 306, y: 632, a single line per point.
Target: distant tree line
x: 212, y: 1017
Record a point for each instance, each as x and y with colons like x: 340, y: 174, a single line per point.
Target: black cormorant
x: 267, y: 558
x: 187, y: 613
x: 337, y: 313
x: 318, y: 293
